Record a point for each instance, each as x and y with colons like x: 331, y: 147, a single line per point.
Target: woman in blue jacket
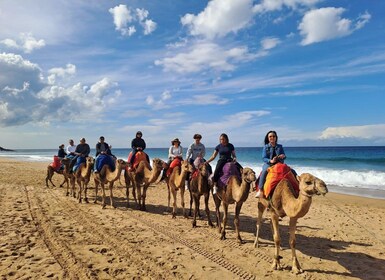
x: 272, y: 153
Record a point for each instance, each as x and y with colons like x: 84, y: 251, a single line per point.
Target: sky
x: 312, y: 70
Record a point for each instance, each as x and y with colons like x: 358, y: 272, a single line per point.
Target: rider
x: 102, y: 148
x: 175, y: 151
x: 82, y: 150
x: 196, y: 149
x: 272, y: 153
x: 226, y: 153
x: 61, y: 153
x: 71, y: 148
x: 137, y: 144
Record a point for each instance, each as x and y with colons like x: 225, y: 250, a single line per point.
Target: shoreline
x: 351, y: 191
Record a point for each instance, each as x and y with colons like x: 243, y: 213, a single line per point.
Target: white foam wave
x: 343, y: 178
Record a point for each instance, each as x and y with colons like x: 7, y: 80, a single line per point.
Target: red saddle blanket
x: 176, y: 162
x: 56, y: 163
x: 139, y: 156
x: 275, y: 174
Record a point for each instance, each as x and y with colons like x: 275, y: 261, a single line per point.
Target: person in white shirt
x: 71, y: 148
x: 175, y: 151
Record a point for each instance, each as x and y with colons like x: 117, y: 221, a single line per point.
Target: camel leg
x: 80, y: 191
x: 261, y: 209
x: 139, y: 193
x: 168, y: 197
x: 127, y: 194
x: 196, y: 207
x: 191, y: 202
x: 104, y: 197
x: 111, y: 185
x: 64, y: 181
x: 277, y: 241
x: 207, y: 210
x: 182, y: 201
x: 296, y: 268
x: 217, y: 212
x: 174, y: 204
x: 143, y: 208
x: 50, y: 173
x: 96, y: 190
x: 238, y: 206
x: 224, y: 220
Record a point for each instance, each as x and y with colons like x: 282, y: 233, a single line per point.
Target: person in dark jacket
x: 102, y: 148
x: 137, y: 144
x: 61, y: 153
x: 82, y: 150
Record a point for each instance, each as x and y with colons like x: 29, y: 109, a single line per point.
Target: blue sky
x: 312, y: 70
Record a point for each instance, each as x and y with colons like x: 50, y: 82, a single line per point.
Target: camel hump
x: 229, y: 169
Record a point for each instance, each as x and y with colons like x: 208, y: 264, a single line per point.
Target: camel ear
x: 298, y: 178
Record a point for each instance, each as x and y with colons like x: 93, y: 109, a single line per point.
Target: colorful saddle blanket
x: 176, y: 162
x: 229, y: 169
x: 139, y: 156
x: 102, y: 160
x: 275, y: 174
x: 56, y: 163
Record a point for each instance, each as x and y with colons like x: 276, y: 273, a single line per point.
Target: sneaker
x: 96, y: 172
x: 215, y: 189
x: 258, y: 194
x: 186, y: 186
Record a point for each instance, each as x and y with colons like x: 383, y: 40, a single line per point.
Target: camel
x: 142, y: 176
x: 176, y: 182
x: 83, y: 176
x: 199, y: 185
x: 285, y: 202
x: 106, y: 176
x: 235, y: 192
x: 51, y: 171
x: 69, y: 178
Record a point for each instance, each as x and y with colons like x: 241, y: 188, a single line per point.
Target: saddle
x: 56, y: 164
x: 105, y: 160
x: 176, y: 162
x: 228, y: 170
x: 275, y: 174
x: 139, y: 156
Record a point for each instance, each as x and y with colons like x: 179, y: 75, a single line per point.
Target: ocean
x: 350, y: 170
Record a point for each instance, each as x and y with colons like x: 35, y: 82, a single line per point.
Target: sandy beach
x: 47, y: 235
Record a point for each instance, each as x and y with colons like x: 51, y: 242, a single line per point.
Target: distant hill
x: 6, y: 150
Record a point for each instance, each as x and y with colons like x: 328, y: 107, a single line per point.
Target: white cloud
x: 274, y: 5
x: 269, y: 43
x: 204, y: 99
x: 61, y: 72
x: 205, y: 55
x: 149, y: 26
x: 326, y: 24
x: 219, y: 18
x: 364, y: 132
x: 125, y: 18
x: 26, y: 98
x: 26, y: 43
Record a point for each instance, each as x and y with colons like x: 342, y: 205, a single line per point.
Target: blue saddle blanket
x: 102, y: 160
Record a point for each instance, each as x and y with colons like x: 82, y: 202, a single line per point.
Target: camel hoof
x: 194, y: 224
x: 223, y: 237
x: 173, y: 216
x: 67, y: 193
x: 296, y: 270
x: 61, y: 186
x: 103, y: 206
x: 86, y: 200
x: 240, y: 241
x: 211, y: 224
x: 95, y: 201
x: 80, y: 200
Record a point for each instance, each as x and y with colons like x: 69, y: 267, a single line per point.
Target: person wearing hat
x: 195, y: 150
x: 175, y: 151
x: 61, y: 153
x: 137, y: 144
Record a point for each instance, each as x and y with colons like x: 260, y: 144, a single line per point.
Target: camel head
x: 65, y: 161
x: 203, y: 169
x: 311, y: 185
x: 121, y: 163
x: 184, y: 166
x: 248, y: 175
x: 90, y: 161
x: 158, y: 163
